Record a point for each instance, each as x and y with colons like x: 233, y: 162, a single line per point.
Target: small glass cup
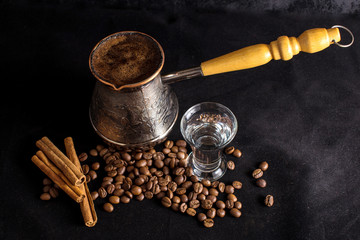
x: 208, y: 127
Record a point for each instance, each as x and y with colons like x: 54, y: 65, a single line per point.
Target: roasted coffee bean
x: 88, y: 178
x: 141, y: 163
x: 194, y: 203
x: 179, y: 171
x: 110, y: 188
x: 180, y: 191
x: 128, y: 194
x: 175, y: 207
x: 95, y: 166
x: 126, y: 156
x: 237, y: 153
x: 109, y: 167
x: 93, y: 152
x: 257, y: 173
x: 229, y: 189
x: 85, y: 168
x: 94, y: 195
x: 198, y: 187
x: 119, y: 192
x: 169, y: 194
x: 166, y: 202
x: 206, y: 204
x: 220, y: 204
x: 114, y: 199
x: 187, y: 184
x: 183, y: 149
x: 144, y: 170
x: 237, y: 184
x: 221, y: 187
x: 46, y: 188
x: 159, y: 163
x: 191, y: 211
x: 206, y: 182
x: 192, y: 195
x: 212, y: 198
x: 129, y: 168
x: 92, y: 174
x: 99, y: 147
x: 176, y: 199
x: 261, y: 183
x: 166, y: 151
x: 138, y: 156
x: 168, y: 144
x: 230, y: 165
x: 229, y: 204
x: 180, y: 143
x: 184, y: 198
x: 147, y: 156
x: 208, y: 223
x: 160, y: 195
x: 170, y: 157
x: 232, y: 197
x: 103, y: 152
x: 140, y: 197
x: 119, y: 178
x: 102, y: 192
x: 201, y: 197
x: 83, y: 156
x: 45, y: 196
x: 121, y: 170
x: 47, y: 181
x: 172, y: 186
x: 229, y: 150
x: 125, y: 199
x: 221, y: 212
x: 205, y: 191
x: 179, y: 179
x: 136, y: 190
x: 108, y: 207
x: 264, y: 166
x: 139, y: 181
x: 112, y: 173
x: 235, y: 212
x: 166, y: 170
x: 201, y: 217
x: 238, y: 205
x: 269, y: 200
x: 194, y: 179
x: 181, y: 155
x: 189, y: 172
x: 211, y: 213
x: 215, y: 184
x: 149, y: 195
x: 175, y: 149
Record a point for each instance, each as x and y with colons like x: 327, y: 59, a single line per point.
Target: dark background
x: 302, y: 116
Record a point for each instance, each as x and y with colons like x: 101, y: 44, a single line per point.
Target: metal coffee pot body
x: 142, y: 114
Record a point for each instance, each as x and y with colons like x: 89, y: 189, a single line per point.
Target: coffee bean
x: 47, y: 181
x: 208, y: 223
x: 93, y: 152
x: 179, y: 171
x: 205, y: 191
x: 82, y: 157
x: 149, y: 195
x: 184, y: 198
x: 257, y: 173
x: 138, y: 156
x: 85, y: 168
x: 183, y: 149
x: 54, y: 193
x: 194, y: 179
x: 235, y: 212
x: 141, y: 163
x: 237, y: 184
x: 211, y: 213
x: 180, y: 191
x: 230, y: 165
x: 102, y: 192
x: 140, y: 197
x: 187, y: 184
x: 114, y: 199
x: 194, y: 203
x: 214, y: 192
x: 264, y: 166
x: 46, y: 188
x: 269, y: 200
x: 238, y: 205
x: 108, y: 207
x: 191, y: 211
x: 229, y: 150
x: 139, y: 181
x: 221, y: 212
x: 221, y: 187
x: 181, y: 155
x: 166, y: 202
x: 94, y: 195
x: 189, y: 172
x: 119, y: 192
x: 99, y: 147
x: 169, y: 194
x: 175, y: 207
x: 261, y: 183
x: 237, y: 153
x: 180, y: 143
x: 201, y: 197
x: 201, y: 217
x: 147, y: 156
x: 125, y: 199
x: 198, y: 187
x: 136, y: 190
x: 206, y: 182
x: 183, y: 207
x: 176, y: 199
x: 220, y: 204
x: 45, y: 196
x: 229, y: 204
x: 168, y: 144
x: 215, y: 184
x: 166, y: 151
x: 192, y: 195
x: 88, y: 178
x: 110, y: 188
x: 232, y: 197
x: 229, y: 189
x: 95, y: 166
x: 125, y: 156
x: 206, y: 204
x: 212, y: 198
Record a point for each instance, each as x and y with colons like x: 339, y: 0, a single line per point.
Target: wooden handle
x: 311, y: 41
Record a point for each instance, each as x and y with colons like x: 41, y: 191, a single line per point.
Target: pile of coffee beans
x: 232, y: 151
x: 163, y: 175
x: 50, y: 190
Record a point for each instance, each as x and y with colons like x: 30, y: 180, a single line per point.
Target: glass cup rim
x: 234, y: 129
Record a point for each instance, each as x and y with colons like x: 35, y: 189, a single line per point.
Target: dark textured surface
x: 302, y: 116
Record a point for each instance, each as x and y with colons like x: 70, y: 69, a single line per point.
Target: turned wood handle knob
x: 311, y: 41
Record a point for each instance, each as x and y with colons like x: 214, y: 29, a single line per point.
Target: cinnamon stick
x: 56, y: 179
x: 87, y: 206
x: 45, y: 160
x: 73, y: 174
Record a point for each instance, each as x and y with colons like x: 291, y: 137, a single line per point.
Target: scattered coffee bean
x: 108, y: 207
x: 92, y: 174
x: 269, y: 200
x: 140, y: 197
x: 214, y: 192
x: 221, y: 212
x: 194, y: 203
x: 211, y: 213
x: 238, y: 205
x: 168, y: 144
x: 235, y: 212
x: 229, y: 189
x: 229, y: 150
x: 114, y: 199
x: 208, y: 223
x: 206, y: 204
x: 180, y: 143
x: 46, y: 188
x: 264, y: 166
x: 183, y: 207
x: 94, y: 195
x: 166, y: 202
x: 221, y: 187
x: 83, y: 157
x: 206, y: 182
x: 237, y: 184
x: 229, y: 204
x: 237, y: 153
x: 191, y: 211
x: 230, y: 165
x: 102, y: 192
x: 257, y: 173
x: 136, y: 190
x: 47, y: 181
x: 45, y: 196
x: 95, y: 166
x: 261, y: 183
x: 54, y: 193
x: 93, y: 152
x: 201, y: 217
x: 232, y: 197
x: 125, y: 199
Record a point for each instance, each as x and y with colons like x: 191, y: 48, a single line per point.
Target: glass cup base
x: 213, y: 174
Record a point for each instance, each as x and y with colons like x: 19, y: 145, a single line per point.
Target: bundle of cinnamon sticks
x: 66, y: 172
